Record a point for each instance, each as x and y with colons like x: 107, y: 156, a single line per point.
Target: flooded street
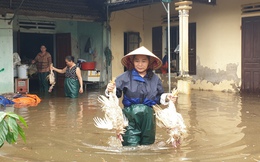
x: 221, y: 127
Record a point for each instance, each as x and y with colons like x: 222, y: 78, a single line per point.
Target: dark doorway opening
x: 29, y: 46
x: 157, y: 40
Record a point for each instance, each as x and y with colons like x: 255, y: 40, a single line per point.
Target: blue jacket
x: 137, y: 89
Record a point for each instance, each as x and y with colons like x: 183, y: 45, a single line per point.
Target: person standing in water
x: 43, y: 61
x: 73, y: 84
x: 141, y: 89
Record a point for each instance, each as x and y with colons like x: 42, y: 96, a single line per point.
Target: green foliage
x: 9, y: 128
x: 3, y: 69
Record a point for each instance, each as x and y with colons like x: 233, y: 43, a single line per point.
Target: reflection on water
x: 221, y: 127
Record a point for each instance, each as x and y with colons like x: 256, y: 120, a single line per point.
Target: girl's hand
x: 172, y: 98
x: 80, y: 90
x: 111, y: 87
x: 119, y: 136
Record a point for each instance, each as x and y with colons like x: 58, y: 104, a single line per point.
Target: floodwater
x: 221, y: 127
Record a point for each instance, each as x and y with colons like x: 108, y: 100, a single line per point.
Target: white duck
x: 114, y: 118
x: 170, y: 119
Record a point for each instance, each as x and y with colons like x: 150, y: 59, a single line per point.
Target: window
x: 131, y: 41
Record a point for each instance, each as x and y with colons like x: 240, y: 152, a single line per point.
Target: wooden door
x: 251, y: 54
x: 174, y: 42
x: 157, y: 48
x: 63, y: 49
x: 157, y: 41
x: 18, y: 42
x: 192, y: 49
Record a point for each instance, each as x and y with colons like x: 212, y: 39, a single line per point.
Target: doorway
x: 157, y: 41
x: 58, y: 45
x: 29, y: 46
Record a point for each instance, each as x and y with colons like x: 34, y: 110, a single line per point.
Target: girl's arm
x: 78, y: 73
x: 62, y: 71
x: 35, y: 59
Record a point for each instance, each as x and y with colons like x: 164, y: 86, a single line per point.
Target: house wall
x: 79, y: 31
x: 124, y: 21
x: 94, y: 33
x: 218, y: 40
x: 89, y: 31
x: 62, y: 26
x: 72, y: 28
x: 218, y: 45
x: 6, y: 56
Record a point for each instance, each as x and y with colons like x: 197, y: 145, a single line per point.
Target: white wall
x: 6, y: 56
x: 71, y: 27
x: 94, y: 32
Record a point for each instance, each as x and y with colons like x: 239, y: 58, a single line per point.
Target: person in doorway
x: 43, y: 61
x: 141, y: 89
x: 73, y: 84
x: 164, y: 67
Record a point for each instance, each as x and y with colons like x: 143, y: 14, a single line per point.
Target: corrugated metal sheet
x: 90, y: 9
x: 115, y: 5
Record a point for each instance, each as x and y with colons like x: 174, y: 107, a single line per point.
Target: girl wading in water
x: 141, y: 89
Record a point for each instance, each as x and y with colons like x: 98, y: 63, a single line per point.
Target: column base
x: 184, y: 86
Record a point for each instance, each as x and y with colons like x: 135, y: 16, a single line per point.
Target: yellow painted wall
x: 219, y: 43
x: 218, y: 37
x: 219, y: 33
x: 124, y: 21
x: 141, y: 19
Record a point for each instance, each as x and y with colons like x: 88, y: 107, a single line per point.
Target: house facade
x: 76, y: 28
x: 223, y: 38
x: 224, y: 42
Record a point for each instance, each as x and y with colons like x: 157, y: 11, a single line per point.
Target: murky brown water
x: 221, y: 127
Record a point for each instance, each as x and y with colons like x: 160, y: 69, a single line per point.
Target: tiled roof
x: 90, y: 9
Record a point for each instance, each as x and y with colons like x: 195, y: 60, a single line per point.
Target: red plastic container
x: 88, y: 65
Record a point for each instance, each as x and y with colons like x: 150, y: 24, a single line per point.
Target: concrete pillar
x: 184, y: 82
x: 6, y: 54
x: 183, y: 7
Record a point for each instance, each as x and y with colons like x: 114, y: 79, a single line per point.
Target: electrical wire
x: 15, y: 12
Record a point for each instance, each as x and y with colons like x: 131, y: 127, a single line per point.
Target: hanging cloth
x: 108, y: 55
x: 88, y: 45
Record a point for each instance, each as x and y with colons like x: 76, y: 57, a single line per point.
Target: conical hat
x: 155, y: 62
